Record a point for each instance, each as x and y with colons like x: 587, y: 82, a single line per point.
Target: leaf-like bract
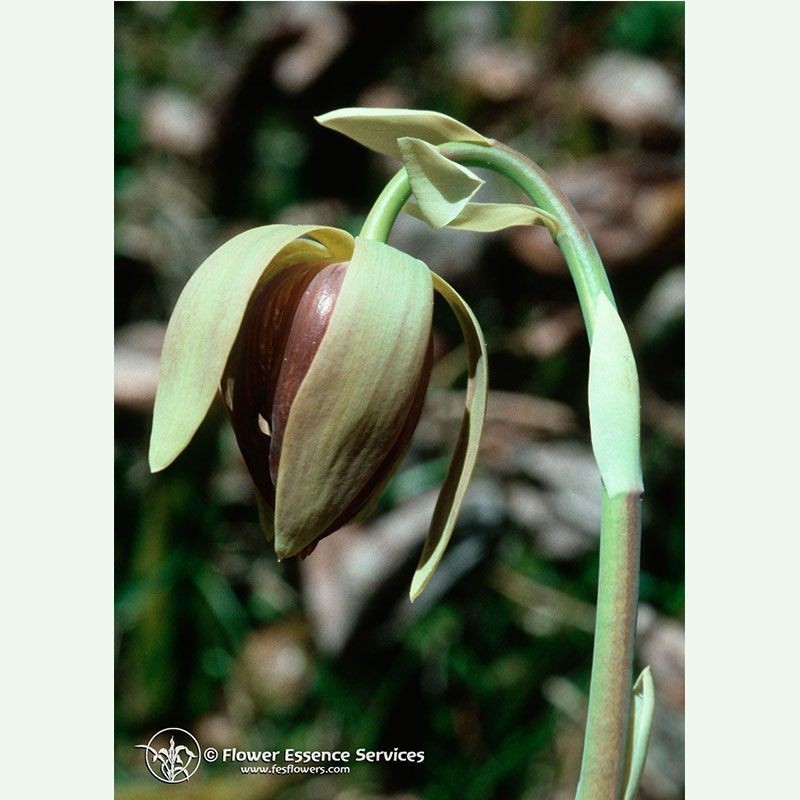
x: 380, y: 128
x: 441, y: 186
x: 614, y: 402
x: 490, y: 217
x: 462, y: 464
x: 641, y: 722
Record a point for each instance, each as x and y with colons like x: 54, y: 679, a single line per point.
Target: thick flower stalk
x: 320, y: 346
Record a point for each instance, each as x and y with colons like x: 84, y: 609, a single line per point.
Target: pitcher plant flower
x: 320, y: 346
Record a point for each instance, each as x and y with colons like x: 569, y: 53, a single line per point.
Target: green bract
x: 442, y: 187
x: 643, y: 703
x: 380, y: 128
x: 321, y: 345
x: 614, y: 402
x: 489, y: 217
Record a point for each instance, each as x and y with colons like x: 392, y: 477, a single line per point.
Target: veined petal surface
x: 206, y: 319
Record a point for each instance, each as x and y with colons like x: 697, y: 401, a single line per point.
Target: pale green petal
x: 462, y: 464
x: 490, y: 217
x: 206, y: 319
x: 614, y: 402
x: 641, y: 721
x: 352, y: 402
x: 442, y: 187
x: 380, y: 128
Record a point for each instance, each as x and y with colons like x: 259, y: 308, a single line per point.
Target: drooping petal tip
x: 491, y: 217
x: 462, y: 464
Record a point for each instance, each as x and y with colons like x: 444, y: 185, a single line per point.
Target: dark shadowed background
x: 488, y: 672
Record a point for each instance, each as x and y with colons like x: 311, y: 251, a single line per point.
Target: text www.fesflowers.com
x: 295, y: 769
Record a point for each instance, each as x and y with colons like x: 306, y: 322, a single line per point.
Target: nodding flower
x: 321, y: 348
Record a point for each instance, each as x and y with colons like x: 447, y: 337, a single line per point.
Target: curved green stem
x: 602, y: 768
x: 605, y: 741
x: 381, y: 218
x: 573, y: 239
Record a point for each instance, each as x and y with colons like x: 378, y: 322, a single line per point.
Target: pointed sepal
x: 491, y: 217
x: 640, y: 724
x: 462, y: 464
x: 380, y: 128
x: 441, y: 186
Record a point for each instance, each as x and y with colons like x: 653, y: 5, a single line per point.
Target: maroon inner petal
x: 308, y: 327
